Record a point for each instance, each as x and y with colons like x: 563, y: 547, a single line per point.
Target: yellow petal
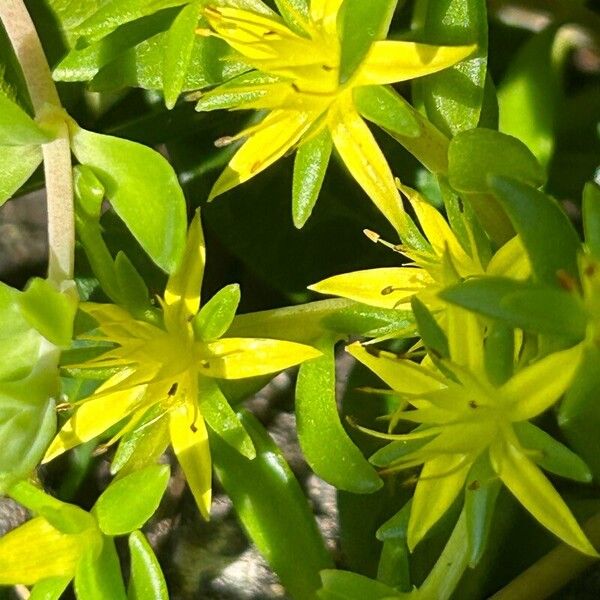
x: 237, y: 358
x: 537, y: 387
x: 440, y: 482
x: 183, y: 286
x: 93, y: 418
x: 510, y: 261
x: 384, y: 288
x: 277, y: 134
x: 533, y: 490
x: 365, y: 160
x: 36, y: 551
x: 400, y: 374
x: 190, y: 444
x: 116, y: 322
x: 393, y: 61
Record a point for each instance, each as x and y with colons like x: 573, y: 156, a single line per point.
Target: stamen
x: 376, y: 238
x: 224, y: 141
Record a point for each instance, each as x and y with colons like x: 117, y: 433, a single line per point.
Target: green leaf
x: 530, y: 94
x: 222, y: 419
x: 390, y: 453
x: 49, y: 589
x: 343, y: 585
x: 129, y: 502
x: 338, y: 461
x: 454, y: 97
x: 394, y: 565
x: 431, y: 333
x: 310, y: 166
x: 216, y: 316
x: 179, y: 43
x: 147, y: 581
x: 536, y: 309
x: 591, y: 217
x: 17, y: 128
x: 385, y: 107
x: 476, y: 154
x: 553, y: 244
x: 99, y: 577
x: 550, y: 454
x: 133, y: 291
x: 499, y: 352
x: 142, y: 188
x: 17, y: 164
x: 259, y: 489
x: 481, y: 492
x: 396, y: 527
x: 362, y: 23
x: 49, y: 311
x: 295, y: 14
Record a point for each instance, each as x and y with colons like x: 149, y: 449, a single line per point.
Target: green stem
x: 553, y: 571
x: 450, y: 566
x: 57, y: 153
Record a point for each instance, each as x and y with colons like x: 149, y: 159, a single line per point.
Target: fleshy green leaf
x: 259, y: 488
x: 310, y: 166
x: 553, y: 244
x: 499, y: 352
x: 147, y: 581
x: 99, y: 576
x: 432, y: 334
x: 17, y: 128
x: 338, y: 461
x: 17, y: 164
x: 49, y: 589
x: 179, y: 43
x: 129, y: 502
x: 133, y: 291
x: 591, y: 217
x: 142, y: 188
x: 216, y: 316
x: 362, y: 23
x: 222, y: 419
x: 550, y: 454
x: 344, y: 585
x: 474, y: 155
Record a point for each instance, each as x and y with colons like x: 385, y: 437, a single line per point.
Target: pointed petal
x: 93, y: 418
x: 400, y: 374
x: 190, y: 444
x: 183, y: 286
x: 510, y: 261
x: 277, y: 134
x: 115, y: 322
x: 365, y: 160
x: 393, y: 61
x: 440, y: 482
x: 533, y: 490
x: 237, y: 358
x: 384, y: 288
x: 536, y: 388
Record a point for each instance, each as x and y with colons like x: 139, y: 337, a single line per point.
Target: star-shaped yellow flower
x: 297, y: 79
x: 464, y: 417
x: 430, y: 271
x: 171, y: 370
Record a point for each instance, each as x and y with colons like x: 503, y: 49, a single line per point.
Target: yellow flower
x: 430, y: 271
x: 464, y: 417
x: 297, y: 79
x: 170, y: 371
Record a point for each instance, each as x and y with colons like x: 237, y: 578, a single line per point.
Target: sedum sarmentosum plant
x: 314, y: 101
x: 167, y: 370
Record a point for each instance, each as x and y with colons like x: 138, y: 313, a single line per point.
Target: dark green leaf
x: 481, y: 491
x: 476, y: 154
x: 142, y: 188
x: 396, y: 527
x: 431, y: 333
x: 147, y: 581
x: 179, y: 43
x: 550, y: 454
x: 362, y: 23
x: 17, y: 164
x: 499, y: 352
x: 536, y: 309
x: 17, y: 128
x: 310, y: 166
x: 394, y: 565
x: 338, y: 461
x: 129, y: 502
x: 591, y: 217
x: 99, y: 577
x: 553, y: 244
x: 216, y: 316
x: 385, y: 107
x: 259, y: 489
